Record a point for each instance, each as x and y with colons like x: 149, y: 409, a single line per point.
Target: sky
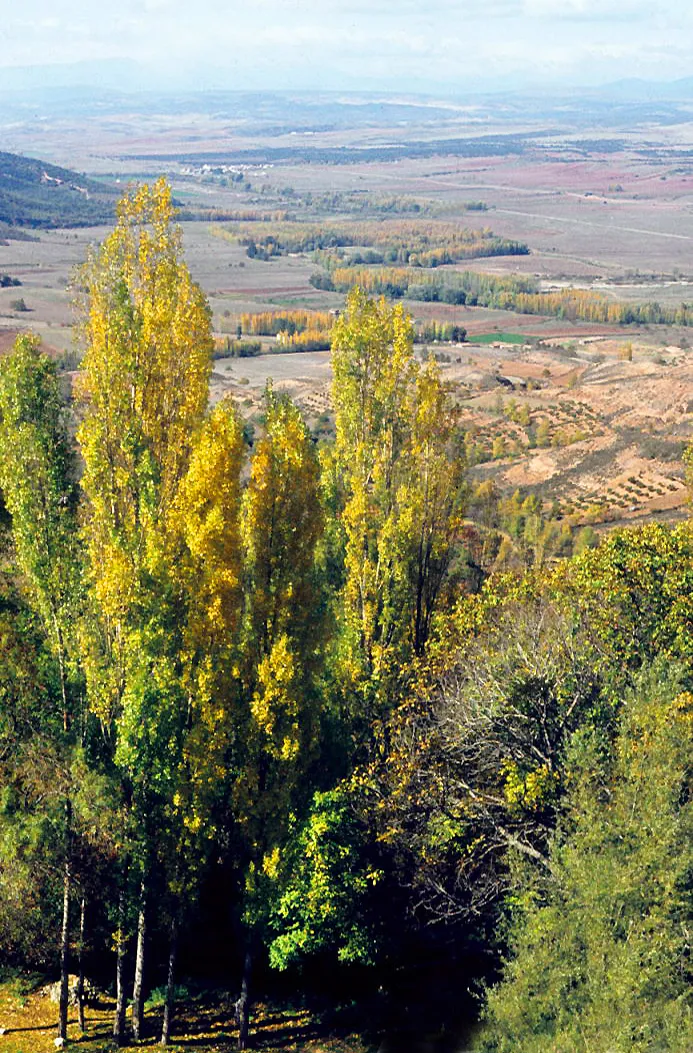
x: 394, y: 45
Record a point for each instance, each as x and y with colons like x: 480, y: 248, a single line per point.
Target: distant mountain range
x: 637, y: 90
x: 36, y: 194
x: 131, y: 77
x: 38, y: 94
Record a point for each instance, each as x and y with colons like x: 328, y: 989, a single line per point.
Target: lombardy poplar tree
x: 38, y: 483
x: 145, y: 328
x: 210, y: 574
x: 402, y: 492
x: 282, y: 523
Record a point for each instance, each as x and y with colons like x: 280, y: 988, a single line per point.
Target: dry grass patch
x: 204, y: 1023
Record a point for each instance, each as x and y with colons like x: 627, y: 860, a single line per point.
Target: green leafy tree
x: 38, y: 483
x: 32, y: 834
x: 394, y: 489
x: 326, y: 902
x: 282, y: 525
x: 600, y: 959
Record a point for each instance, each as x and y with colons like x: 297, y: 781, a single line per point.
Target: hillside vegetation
x: 36, y: 194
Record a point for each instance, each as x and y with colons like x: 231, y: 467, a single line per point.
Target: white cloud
x: 287, y: 41
x: 588, y: 10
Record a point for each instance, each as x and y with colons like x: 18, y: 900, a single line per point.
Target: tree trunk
x: 119, y: 1018
x: 138, y: 986
x: 80, y: 973
x: 65, y: 933
x: 243, y: 1003
x: 170, y: 986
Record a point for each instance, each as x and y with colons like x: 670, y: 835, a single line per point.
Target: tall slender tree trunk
x: 243, y: 1004
x: 138, y: 986
x: 170, y: 982
x: 80, y: 972
x: 65, y: 932
x: 119, y: 1018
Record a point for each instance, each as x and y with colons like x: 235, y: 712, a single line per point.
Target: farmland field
x: 604, y: 207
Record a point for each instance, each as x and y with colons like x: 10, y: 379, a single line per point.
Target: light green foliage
x: 585, y: 539
x: 602, y: 963
x: 636, y: 591
x: 374, y: 372
x: 327, y: 887
x: 36, y: 475
x: 498, y: 450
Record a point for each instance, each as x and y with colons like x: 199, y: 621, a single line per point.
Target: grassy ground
x: 504, y: 338
x: 203, y: 1023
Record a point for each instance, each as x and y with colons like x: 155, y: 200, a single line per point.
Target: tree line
x: 509, y: 293
x: 400, y: 242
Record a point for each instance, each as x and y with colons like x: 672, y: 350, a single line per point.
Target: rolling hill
x: 35, y: 194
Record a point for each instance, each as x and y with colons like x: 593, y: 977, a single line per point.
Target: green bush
x: 157, y: 998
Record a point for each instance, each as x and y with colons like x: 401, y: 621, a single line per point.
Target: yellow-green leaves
x: 276, y: 702
x: 373, y: 369
x: 161, y: 490
x: 208, y: 520
x: 282, y: 524
x: 145, y: 327
x: 402, y: 487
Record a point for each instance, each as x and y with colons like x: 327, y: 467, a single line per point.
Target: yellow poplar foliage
x: 276, y: 704
x: 402, y: 485
x: 271, y: 323
x: 282, y: 524
x: 373, y: 374
x: 428, y: 244
x: 145, y: 326
x: 208, y: 509
x: 210, y: 575
x: 373, y: 279
x: 309, y: 339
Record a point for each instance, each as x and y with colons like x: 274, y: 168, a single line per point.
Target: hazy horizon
x: 450, y: 47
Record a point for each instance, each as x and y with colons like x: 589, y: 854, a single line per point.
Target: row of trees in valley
x: 505, y: 293
x: 398, y: 242
x: 270, y: 684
